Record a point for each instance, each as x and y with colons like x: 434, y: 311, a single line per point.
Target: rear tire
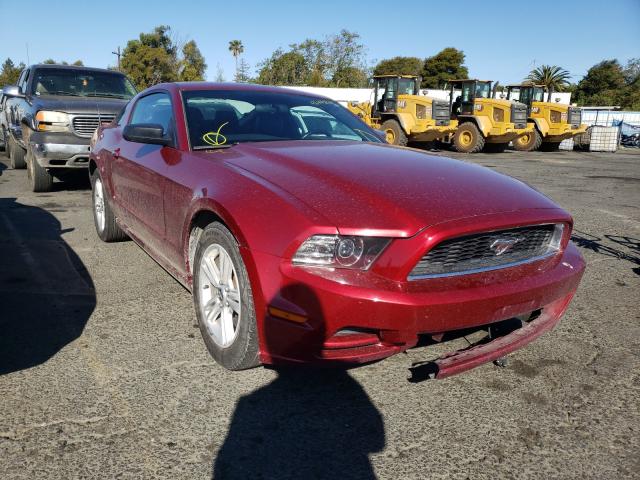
x: 16, y: 155
x: 495, y: 147
x: 394, y: 133
x: 528, y: 142
x: 103, y: 218
x: 550, y: 146
x: 223, y: 300
x: 468, y: 139
x: 39, y: 178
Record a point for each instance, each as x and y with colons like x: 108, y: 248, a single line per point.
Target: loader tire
x: 394, y: 133
x: 528, y: 142
x: 468, y: 139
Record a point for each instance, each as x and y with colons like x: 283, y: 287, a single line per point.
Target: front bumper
x: 60, y: 150
x: 347, y: 320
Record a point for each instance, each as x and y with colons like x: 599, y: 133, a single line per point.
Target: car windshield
x: 82, y: 83
x: 224, y: 117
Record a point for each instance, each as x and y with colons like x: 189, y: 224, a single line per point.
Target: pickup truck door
x: 138, y: 174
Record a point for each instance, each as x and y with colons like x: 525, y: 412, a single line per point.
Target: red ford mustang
x: 305, y: 238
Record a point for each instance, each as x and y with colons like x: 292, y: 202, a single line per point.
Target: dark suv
x: 54, y: 111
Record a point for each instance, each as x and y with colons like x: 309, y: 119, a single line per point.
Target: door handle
x: 116, y: 153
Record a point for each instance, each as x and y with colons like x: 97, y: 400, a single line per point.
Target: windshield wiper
x: 111, y: 95
x: 214, y: 147
x: 61, y: 92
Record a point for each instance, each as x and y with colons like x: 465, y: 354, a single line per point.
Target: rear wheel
x: 468, y: 138
x: 528, y: 142
x: 394, y: 133
x: 550, y: 146
x: 105, y: 221
x: 39, y: 178
x: 223, y: 300
x: 16, y: 155
x: 495, y: 147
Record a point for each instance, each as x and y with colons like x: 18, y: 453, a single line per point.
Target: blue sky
x: 575, y: 35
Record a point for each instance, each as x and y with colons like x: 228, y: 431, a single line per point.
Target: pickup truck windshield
x: 218, y: 118
x: 81, y: 83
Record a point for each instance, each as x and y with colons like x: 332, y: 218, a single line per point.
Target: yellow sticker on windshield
x: 215, y: 138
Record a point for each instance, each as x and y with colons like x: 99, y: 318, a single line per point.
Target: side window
x: 155, y: 108
x: 23, y: 81
x: 119, y: 118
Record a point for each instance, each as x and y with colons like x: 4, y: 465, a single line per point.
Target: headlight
x: 340, y: 251
x: 52, y: 121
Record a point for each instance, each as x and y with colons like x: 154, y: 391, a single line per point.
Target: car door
x: 138, y: 172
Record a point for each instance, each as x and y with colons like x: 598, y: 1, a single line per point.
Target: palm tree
x: 552, y: 76
x: 236, y: 48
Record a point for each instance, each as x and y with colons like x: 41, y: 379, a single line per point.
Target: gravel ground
x: 102, y: 374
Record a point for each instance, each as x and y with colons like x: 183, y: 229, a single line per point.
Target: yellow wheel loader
x: 554, y: 122
x: 403, y: 114
x: 484, y: 122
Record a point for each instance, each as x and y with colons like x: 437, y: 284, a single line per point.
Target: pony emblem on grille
x: 503, y: 245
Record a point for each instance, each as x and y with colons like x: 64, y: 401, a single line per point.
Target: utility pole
x: 118, y: 54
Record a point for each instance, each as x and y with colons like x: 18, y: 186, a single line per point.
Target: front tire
x: 103, y: 218
x: 223, y: 300
x: 528, y: 142
x: 16, y: 154
x: 394, y: 133
x: 39, y: 178
x: 468, y: 139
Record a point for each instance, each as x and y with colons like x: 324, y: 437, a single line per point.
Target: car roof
x: 251, y: 87
x: 44, y: 66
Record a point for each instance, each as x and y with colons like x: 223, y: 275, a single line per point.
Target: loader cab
x: 463, y: 103
x: 526, y: 94
x: 386, y: 89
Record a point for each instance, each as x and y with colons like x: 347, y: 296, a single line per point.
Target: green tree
x: 49, y: 61
x: 236, y: 48
x: 316, y: 61
x: 243, y: 75
x: 345, y: 58
x: 551, y: 76
x: 78, y: 63
x: 604, y: 84
x: 445, y: 65
x: 151, y: 59
x: 399, y: 66
x: 9, y: 72
x: 219, y: 74
x: 283, y: 68
x: 192, y: 65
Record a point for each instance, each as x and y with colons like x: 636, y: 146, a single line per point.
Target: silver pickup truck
x: 52, y: 113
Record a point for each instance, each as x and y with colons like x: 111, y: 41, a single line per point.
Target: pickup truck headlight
x: 52, y: 121
x: 339, y: 251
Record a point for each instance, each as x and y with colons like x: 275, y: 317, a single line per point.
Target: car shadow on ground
x: 46, y: 293
x: 71, y: 180
x: 595, y: 244
x: 311, y: 423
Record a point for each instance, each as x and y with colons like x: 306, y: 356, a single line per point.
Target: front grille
x: 441, y: 112
x: 85, y: 125
x: 484, y: 251
x: 575, y: 116
x: 519, y: 115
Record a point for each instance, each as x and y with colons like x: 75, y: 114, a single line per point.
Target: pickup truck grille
x: 519, y: 115
x: 488, y: 251
x: 85, y: 125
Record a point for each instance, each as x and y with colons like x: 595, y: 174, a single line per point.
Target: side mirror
x: 146, y: 133
x: 12, y: 91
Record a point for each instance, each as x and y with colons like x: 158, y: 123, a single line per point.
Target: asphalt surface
x: 102, y: 374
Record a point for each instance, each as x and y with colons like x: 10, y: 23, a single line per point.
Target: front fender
x: 542, y: 125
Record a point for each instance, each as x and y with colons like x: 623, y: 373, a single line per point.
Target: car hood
x: 384, y: 190
x: 79, y: 105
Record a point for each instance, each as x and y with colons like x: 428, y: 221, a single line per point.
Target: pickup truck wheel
x: 223, y: 300
x: 39, y: 178
x: 103, y: 218
x: 16, y: 155
x: 394, y: 133
x: 468, y: 139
